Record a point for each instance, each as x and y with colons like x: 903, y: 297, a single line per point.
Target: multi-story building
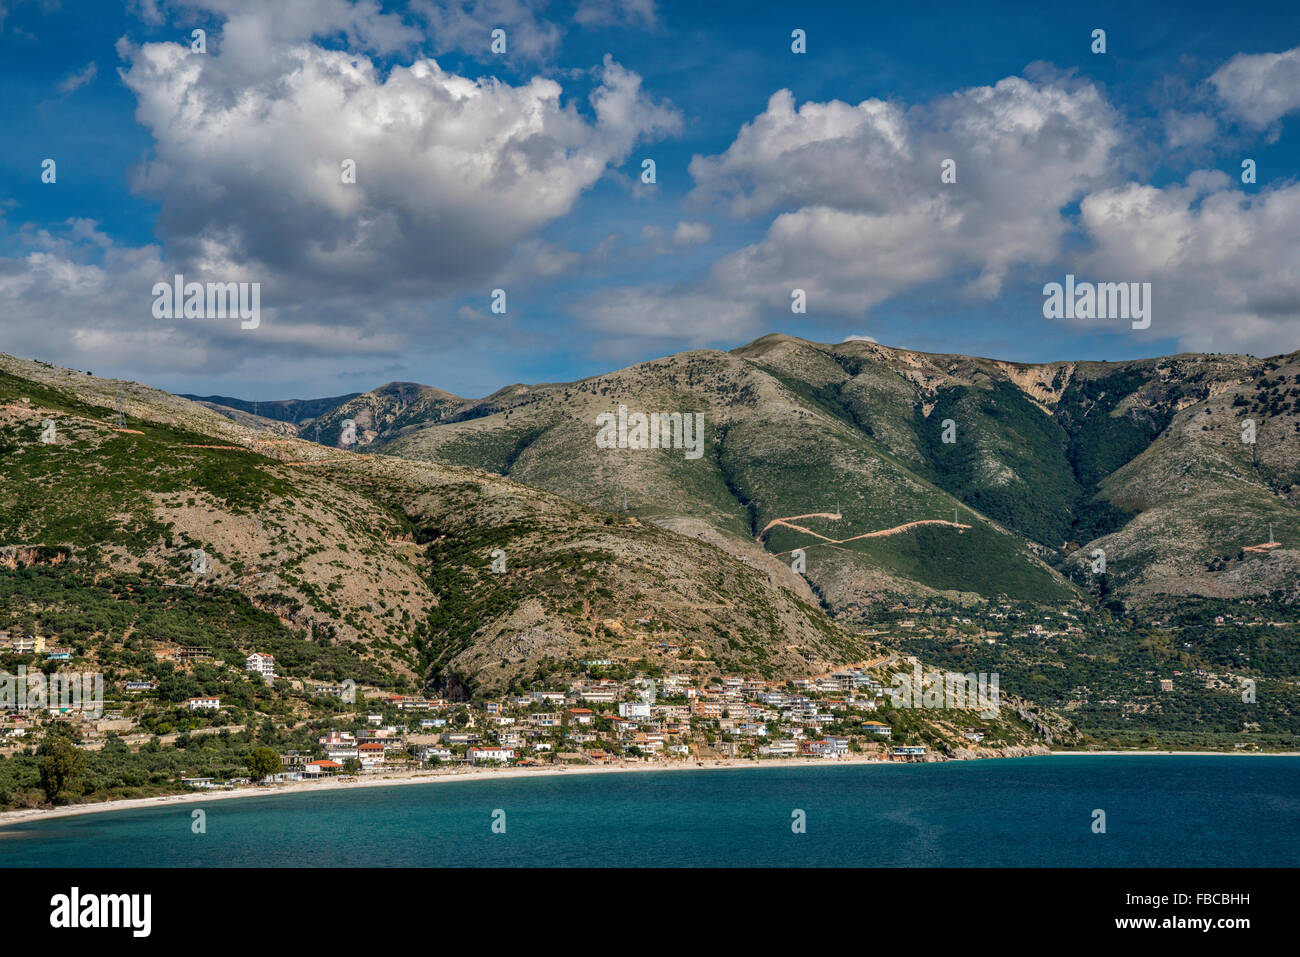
x: 26, y: 644
x: 261, y: 664
x: 491, y: 755
x: 708, y: 709
x: 371, y: 754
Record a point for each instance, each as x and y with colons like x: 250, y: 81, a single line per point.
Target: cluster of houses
x: 369, y: 748
x: 672, y: 717
x: 601, y: 721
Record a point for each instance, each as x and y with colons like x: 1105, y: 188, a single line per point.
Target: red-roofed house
x: 323, y: 766
x: 579, y: 716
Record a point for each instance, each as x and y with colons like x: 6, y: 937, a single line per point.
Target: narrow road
x: 896, y: 530
x: 836, y: 516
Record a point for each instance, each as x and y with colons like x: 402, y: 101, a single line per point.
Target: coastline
x: 23, y: 815
x: 394, y: 780
x: 1199, y: 754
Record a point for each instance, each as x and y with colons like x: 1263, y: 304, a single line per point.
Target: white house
x: 196, y: 703
x: 497, y: 755
x: 314, y: 769
x: 261, y: 664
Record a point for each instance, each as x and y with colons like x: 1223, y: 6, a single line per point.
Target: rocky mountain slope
x: 474, y: 546
x: 404, y: 571
x: 905, y: 475
x: 295, y: 411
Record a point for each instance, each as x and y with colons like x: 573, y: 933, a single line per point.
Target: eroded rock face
x: 973, y: 753
x: 20, y: 556
x: 1045, y: 384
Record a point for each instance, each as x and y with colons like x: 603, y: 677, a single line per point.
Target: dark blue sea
x: 1160, y: 811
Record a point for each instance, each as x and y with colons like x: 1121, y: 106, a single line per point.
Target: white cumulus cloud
x: 1259, y: 88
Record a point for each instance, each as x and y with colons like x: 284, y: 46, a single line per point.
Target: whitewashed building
x: 261, y: 664
x: 491, y: 755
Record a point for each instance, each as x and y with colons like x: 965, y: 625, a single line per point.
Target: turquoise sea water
x: 1160, y: 812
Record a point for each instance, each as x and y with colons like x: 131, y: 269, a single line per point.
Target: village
x: 345, y: 729
x: 651, y: 701
x: 601, y: 722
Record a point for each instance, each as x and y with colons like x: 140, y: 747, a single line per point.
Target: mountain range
x: 1083, y: 528
x: 1002, y: 478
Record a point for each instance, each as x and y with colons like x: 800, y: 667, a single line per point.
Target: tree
x: 62, y: 767
x: 351, y: 766
x: 267, y: 732
x: 262, y: 762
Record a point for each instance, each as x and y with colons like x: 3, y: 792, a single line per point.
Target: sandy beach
x: 501, y: 774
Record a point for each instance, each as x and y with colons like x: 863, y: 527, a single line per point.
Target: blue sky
x: 521, y: 172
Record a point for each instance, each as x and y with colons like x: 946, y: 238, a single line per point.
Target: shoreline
x: 24, y: 815
x: 1199, y: 754
x: 396, y: 780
